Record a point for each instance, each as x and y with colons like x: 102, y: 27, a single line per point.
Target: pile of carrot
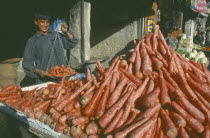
x: 154, y: 93
x: 61, y: 71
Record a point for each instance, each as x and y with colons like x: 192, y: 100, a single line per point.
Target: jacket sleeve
x: 68, y: 43
x: 28, y: 60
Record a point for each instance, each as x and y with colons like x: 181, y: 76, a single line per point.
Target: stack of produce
x: 61, y: 71
x: 154, y: 93
x: 197, y: 56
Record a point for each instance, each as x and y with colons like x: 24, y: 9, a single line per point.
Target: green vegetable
x: 191, y: 55
x: 195, y: 52
x: 203, y: 60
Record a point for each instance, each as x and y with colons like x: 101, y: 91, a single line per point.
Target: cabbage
x: 196, y: 59
x: 195, y: 52
x: 203, y: 60
x: 191, y: 55
x: 201, y: 55
x: 183, y: 55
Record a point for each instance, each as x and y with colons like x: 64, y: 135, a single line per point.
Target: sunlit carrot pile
x: 61, y: 71
x: 154, y: 93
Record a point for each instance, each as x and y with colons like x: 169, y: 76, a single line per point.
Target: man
x: 45, y: 49
x: 169, y: 40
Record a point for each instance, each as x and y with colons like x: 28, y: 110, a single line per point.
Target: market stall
x: 154, y: 92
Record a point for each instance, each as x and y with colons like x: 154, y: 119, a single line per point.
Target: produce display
x: 154, y: 93
x: 59, y: 71
x: 197, y: 56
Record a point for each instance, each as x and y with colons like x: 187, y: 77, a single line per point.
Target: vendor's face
x: 43, y: 25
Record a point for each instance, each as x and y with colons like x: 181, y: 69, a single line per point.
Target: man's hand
x: 40, y: 72
x: 64, y: 27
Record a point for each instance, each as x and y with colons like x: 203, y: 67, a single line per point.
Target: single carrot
x: 151, y: 132
x: 88, y: 74
x: 146, y: 61
x: 150, y: 87
x: 85, y: 99
x: 206, y: 133
x: 164, y: 97
x: 131, y: 118
x: 207, y: 73
x: 156, y: 62
x: 139, y: 91
x: 91, y: 128
x: 150, y: 99
x: 80, y: 120
x: 8, y: 88
x: 150, y: 111
x: 55, y: 116
x: 191, y: 132
x: 141, y: 130
x: 102, y: 103
x: 205, y: 91
x: 132, y: 57
x: 137, y: 65
x: 147, y: 39
x: 131, y: 77
x: 111, y: 127
x: 203, y: 100
x: 157, y: 131
x: 171, y: 130
x: 100, y: 67
x: 193, y: 123
x: 113, y: 82
x: 107, y: 117
x: 124, y: 132
x: 115, y: 95
x: 177, y: 119
x: 183, y: 133
x: 90, y: 107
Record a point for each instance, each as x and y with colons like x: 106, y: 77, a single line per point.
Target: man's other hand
x: 40, y: 72
x: 64, y: 27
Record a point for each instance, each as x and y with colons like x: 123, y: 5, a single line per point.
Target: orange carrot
x: 88, y: 74
x: 131, y: 77
x: 164, y: 97
x: 132, y: 57
x: 151, y: 86
x: 151, y: 132
x: 113, y: 82
x: 107, y: 117
x: 141, y: 130
x: 183, y: 133
x: 206, y: 133
x: 89, y: 108
x: 171, y: 130
x: 205, y: 91
x: 157, y: 131
x: 193, y: 123
x: 126, y: 111
x: 115, y: 95
x: 206, y: 103
x: 100, y: 67
x: 150, y: 99
x: 207, y: 73
x: 92, y: 128
x: 157, y: 63
x: 137, y: 65
x: 124, y: 132
x: 63, y: 103
x: 139, y: 91
x: 192, y: 110
x: 147, y: 40
x: 102, y: 103
x: 80, y: 120
x: 146, y: 61
x: 111, y: 127
x: 177, y: 119
x: 41, y: 106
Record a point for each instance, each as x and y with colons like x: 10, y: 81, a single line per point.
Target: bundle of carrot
x: 154, y: 93
x: 61, y: 71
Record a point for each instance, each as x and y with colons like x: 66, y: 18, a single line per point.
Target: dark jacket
x: 46, y: 51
